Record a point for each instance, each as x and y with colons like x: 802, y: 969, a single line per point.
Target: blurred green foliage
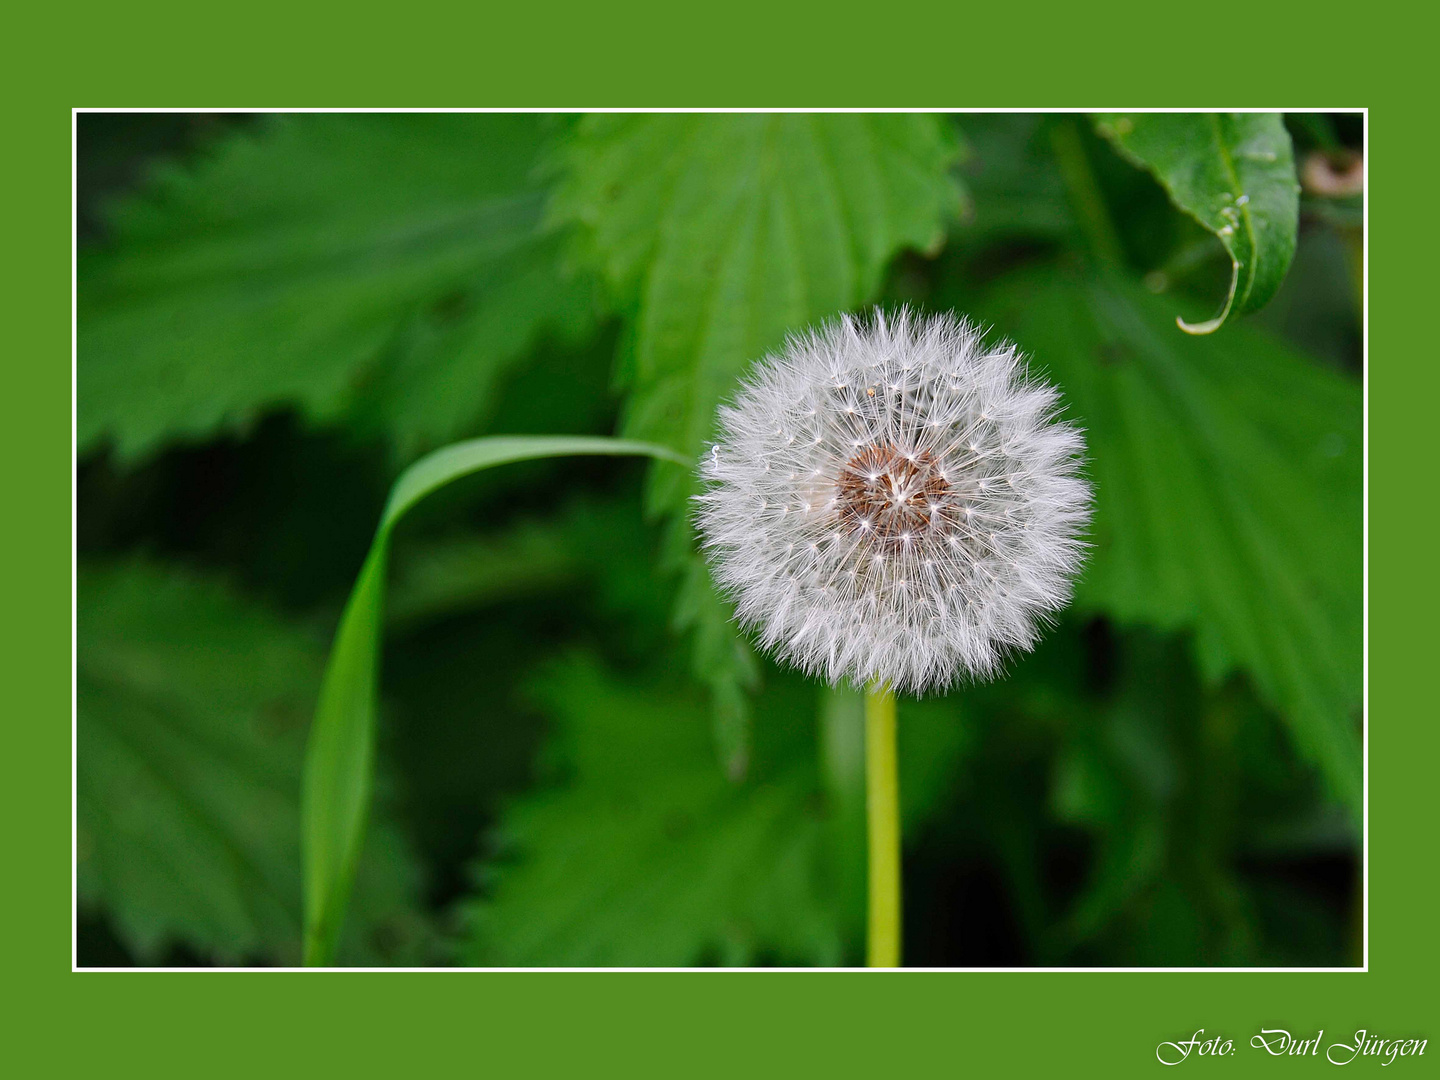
x: 192, y: 710
x: 347, y: 265
x: 1226, y: 469
x: 581, y: 762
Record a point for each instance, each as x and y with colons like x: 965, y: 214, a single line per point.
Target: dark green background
x: 977, y: 1024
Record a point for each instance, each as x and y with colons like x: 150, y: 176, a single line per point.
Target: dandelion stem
x: 882, y: 804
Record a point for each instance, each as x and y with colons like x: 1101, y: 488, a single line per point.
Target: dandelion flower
x: 893, y: 501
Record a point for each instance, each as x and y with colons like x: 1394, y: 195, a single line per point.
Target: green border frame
x: 701, y: 1023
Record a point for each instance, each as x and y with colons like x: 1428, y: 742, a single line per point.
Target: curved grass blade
x: 339, y: 761
x: 1234, y: 173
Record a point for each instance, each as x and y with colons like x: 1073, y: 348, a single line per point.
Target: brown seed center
x: 891, y: 496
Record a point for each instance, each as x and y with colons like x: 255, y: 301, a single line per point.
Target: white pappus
x: 893, y: 501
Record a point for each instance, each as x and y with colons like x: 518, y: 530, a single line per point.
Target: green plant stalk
x: 1086, y: 197
x: 882, y: 807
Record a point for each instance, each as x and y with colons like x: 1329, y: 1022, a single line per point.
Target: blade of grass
x: 339, y: 760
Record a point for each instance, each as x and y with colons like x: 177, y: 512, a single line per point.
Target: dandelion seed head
x: 941, y: 502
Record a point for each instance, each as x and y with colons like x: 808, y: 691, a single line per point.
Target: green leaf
x: 720, y: 234
x: 1234, y: 173
x: 636, y: 851
x: 191, y: 711
x: 340, y: 759
x: 720, y: 659
x: 1228, y: 495
x: 643, y: 854
x: 724, y: 232
x: 388, y: 268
